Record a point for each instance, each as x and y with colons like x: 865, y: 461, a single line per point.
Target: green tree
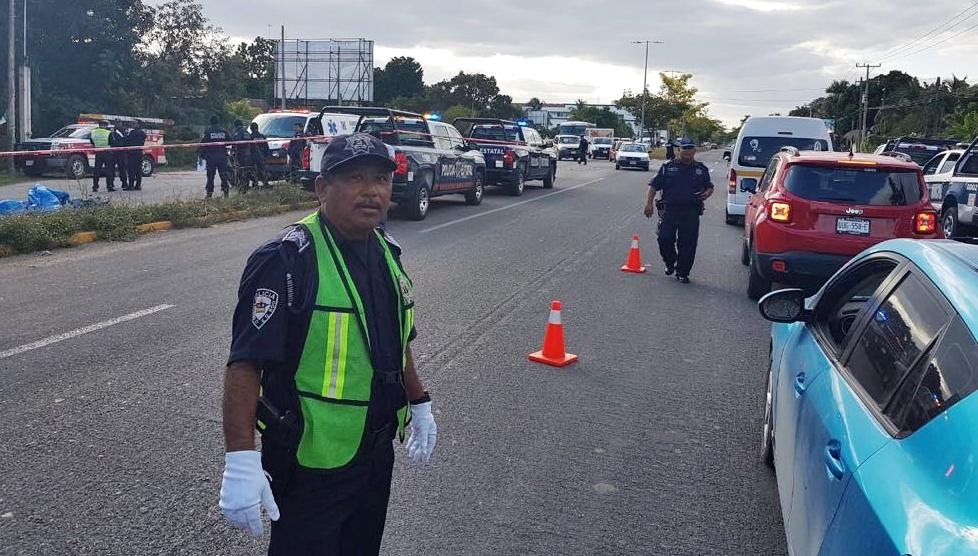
x: 241, y: 110
x: 534, y: 104
x: 402, y: 77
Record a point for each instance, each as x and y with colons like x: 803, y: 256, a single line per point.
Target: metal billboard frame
x: 331, y: 71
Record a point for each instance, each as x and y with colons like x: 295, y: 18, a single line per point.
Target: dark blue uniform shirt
x: 681, y: 184
x: 275, y: 299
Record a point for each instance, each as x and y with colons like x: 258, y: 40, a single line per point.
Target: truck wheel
x: 949, y: 223
x: 757, y: 284
x: 474, y: 197
x: 550, y: 178
x: 745, y: 254
x: 147, y: 167
x: 420, y: 202
x: 516, y: 188
x: 76, y: 167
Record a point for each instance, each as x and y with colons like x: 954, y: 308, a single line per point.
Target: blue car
x: 871, y: 420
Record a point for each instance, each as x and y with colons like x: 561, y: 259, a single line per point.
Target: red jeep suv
x: 812, y: 211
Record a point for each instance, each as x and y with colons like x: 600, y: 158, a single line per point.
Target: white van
x: 757, y: 142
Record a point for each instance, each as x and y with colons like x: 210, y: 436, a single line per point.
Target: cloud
x: 761, y: 5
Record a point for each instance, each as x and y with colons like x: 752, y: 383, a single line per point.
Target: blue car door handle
x: 800, y: 385
x: 833, y: 459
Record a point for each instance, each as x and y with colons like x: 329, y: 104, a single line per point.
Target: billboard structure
x: 328, y: 71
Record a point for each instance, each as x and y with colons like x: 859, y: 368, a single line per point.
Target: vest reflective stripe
x: 335, y: 375
x: 100, y: 137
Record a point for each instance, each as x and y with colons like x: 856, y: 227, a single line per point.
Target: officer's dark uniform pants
x: 119, y: 163
x: 134, y: 160
x: 103, y: 167
x: 338, y: 513
x: 220, y: 166
x: 679, y: 232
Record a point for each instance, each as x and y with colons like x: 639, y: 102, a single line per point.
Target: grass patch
x: 25, y: 233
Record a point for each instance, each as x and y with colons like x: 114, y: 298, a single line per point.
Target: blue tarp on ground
x: 39, y: 199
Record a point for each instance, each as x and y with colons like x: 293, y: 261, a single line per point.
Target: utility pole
x: 862, y: 134
x: 283, y: 67
x: 11, y: 80
x: 645, y: 86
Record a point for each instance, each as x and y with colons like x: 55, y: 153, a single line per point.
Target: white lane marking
x: 80, y: 331
x: 507, y: 207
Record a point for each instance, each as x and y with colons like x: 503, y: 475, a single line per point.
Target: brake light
x: 732, y: 184
x: 780, y: 211
x: 779, y: 266
x: 925, y: 222
x: 306, y: 156
x: 402, y: 164
x: 508, y: 157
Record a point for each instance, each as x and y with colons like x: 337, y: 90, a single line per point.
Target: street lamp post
x: 645, y: 84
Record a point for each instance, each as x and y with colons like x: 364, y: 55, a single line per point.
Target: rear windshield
x: 410, y: 132
x: 858, y: 186
x: 921, y: 154
x: 757, y: 151
x: 495, y: 133
x: 601, y: 141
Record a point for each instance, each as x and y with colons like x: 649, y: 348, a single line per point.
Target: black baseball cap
x: 347, y: 148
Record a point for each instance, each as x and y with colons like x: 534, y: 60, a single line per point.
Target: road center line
x: 507, y: 207
x: 80, y: 331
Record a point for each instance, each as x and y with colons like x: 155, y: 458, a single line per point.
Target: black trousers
x: 134, y: 161
x: 337, y: 513
x: 104, y: 166
x: 119, y: 164
x: 679, y: 232
x: 221, y: 167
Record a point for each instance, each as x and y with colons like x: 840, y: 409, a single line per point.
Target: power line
x: 932, y: 45
x: 891, y: 52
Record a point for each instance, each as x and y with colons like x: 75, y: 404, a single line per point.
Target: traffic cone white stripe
x: 634, y: 244
x: 554, y: 317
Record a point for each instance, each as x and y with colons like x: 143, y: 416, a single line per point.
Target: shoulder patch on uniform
x: 266, y: 301
x: 390, y: 239
x: 299, y: 237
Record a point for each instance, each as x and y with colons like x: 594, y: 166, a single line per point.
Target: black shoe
x: 670, y: 270
x: 209, y: 194
x: 111, y: 190
x: 94, y: 190
x: 682, y: 279
x: 139, y: 188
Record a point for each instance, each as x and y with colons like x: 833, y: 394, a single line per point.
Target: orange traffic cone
x: 634, y: 258
x: 553, y: 342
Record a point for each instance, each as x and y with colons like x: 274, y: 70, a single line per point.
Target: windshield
x: 859, y: 186
x: 920, y: 153
x: 73, y: 132
x: 412, y: 132
x: 278, y: 125
x: 569, y: 140
x: 495, y: 133
x: 572, y: 129
x: 602, y: 141
x: 757, y: 151
x: 633, y: 148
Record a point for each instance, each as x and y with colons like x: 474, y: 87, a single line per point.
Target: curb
x: 82, y: 237
x: 160, y: 226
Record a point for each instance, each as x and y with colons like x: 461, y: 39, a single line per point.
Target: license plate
x: 852, y: 226
x: 28, y: 163
x: 499, y: 164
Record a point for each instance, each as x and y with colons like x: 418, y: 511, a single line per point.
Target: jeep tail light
x: 402, y: 164
x: 925, y: 222
x: 780, y: 211
x: 508, y: 158
x: 306, y: 156
x: 732, y: 184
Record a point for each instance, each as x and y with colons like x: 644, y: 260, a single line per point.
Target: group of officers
x: 249, y: 152
x: 127, y: 163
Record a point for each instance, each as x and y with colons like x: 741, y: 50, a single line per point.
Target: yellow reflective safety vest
x: 100, y: 137
x: 335, y: 376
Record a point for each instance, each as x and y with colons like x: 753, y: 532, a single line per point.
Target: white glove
x: 244, y: 490
x: 424, y: 433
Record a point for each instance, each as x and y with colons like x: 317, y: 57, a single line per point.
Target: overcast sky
x: 747, y: 56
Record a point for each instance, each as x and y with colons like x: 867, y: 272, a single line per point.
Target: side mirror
x: 784, y: 306
x: 726, y: 156
x: 749, y: 185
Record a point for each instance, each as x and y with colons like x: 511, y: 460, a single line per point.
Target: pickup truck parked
x: 432, y: 157
x: 514, y: 154
x: 952, y: 178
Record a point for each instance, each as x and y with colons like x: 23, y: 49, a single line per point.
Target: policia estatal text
x: 685, y: 184
x: 323, y: 324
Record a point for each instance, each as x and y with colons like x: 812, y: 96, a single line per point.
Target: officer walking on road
x: 685, y: 184
x: 322, y: 331
x: 103, y: 160
x: 134, y: 158
x: 582, y: 151
x: 216, y: 157
x: 118, y: 139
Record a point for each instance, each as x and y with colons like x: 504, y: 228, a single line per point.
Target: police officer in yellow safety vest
x: 104, y: 164
x: 320, y: 363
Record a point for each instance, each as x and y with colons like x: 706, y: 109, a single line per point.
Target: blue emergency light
x: 434, y: 116
x: 523, y: 123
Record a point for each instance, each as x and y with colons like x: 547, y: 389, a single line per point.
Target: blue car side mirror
x: 784, y: 306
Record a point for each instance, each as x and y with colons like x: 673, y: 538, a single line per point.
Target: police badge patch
x: 265, y: 303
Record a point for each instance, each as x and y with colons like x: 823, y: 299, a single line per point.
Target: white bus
x: 574, y: 128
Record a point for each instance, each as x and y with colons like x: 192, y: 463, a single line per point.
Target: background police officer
x: 259, y: 151
x: 118, y: 158
x: 295, y: 152
x: 685, y: 184
x: 216, y: 157
x: 134, y: 158
x: 323, y: 325
x: 103, y: 160
x: 243, y: 168
x: 582, y: 150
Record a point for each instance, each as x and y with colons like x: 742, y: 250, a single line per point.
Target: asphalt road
x: 110, y: 441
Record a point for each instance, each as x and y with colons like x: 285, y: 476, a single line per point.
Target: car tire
x: 516, y: 188
x: 550, y: 178
x: 617, y: 167
x: 757, y: 285
x: 745, y: 254
x: 76, y: 167
x: 147, y: 167
x: 417, y: 209
x: 949, y: 223
x: 474, y: 196
x: 731, y: 218
x: 767, y: 425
